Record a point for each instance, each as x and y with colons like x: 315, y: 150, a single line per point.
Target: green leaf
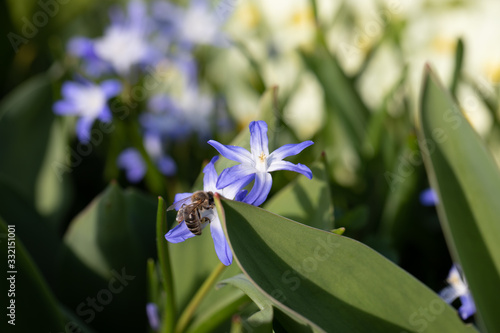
x: 334, y: 283
x: 260, y: 321
x: 467, y: 180
x: 102, y: 235
x: 41, y: 239
x: 25, y: 126
x: 306, y: 200
x: 35, y: 309
x: 340, y: 94
x: 111, y: 253
x: 457, y: 70
x: 53, y: 188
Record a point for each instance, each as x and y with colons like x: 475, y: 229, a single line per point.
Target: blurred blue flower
x: 83, y: 48
x: 178, y: 118
x: 258, y: 163
x: 198, y: 24
x: 127, y: 41
x: 89, y: 101
x: 181, y: 232
x: 135, y: 167
x: 458, y: 288
x: 429, y: 197
x: 155, y: 149
x: 164, y: 119
x: 152, y: 313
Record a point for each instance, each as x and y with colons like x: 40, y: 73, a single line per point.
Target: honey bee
x: 191, y: 213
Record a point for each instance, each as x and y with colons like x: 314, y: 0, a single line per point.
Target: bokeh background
x: 345, y: 74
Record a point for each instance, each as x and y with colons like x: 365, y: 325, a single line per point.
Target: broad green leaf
x: 35, y: 309
x: 467, y: 180
x: 53, y: 188
x: 41, y: 239
x: 102, y: 235
x: 112, y: 253
x: 306, y: 200
x: 25, y: 125
x: 334, y: 283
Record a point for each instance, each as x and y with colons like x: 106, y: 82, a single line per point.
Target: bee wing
x: 179, y: 200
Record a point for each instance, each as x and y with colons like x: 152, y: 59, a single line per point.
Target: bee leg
x: 205, y: 219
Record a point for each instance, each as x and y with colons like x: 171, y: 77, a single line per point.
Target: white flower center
x: 91, y: 101
x: 456, y: 282
x: 121, y: 47
x: 261, y: 162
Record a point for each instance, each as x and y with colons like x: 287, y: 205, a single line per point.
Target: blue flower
x: 155, y: 149
x: 181, y: 232
x: 131, y: 160
x: 458, y: 288
x: 153, y: 318
x: 126, y: 42
x: 177, y: 118
x: 428, y: 197
x: 89, y: 101
x: 258, y: 163
x: 83, y: 48
x: 196, y: 25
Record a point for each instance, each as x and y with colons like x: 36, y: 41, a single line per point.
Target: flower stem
x: 188, y: 312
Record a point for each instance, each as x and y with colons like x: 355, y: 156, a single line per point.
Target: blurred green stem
x: 198, y: 297
x: 166, y: 271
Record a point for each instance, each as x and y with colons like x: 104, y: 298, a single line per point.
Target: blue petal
x: 152, y: 313
x: 240, y: 173
x: 220, y: 243
x: 289, y: 150
x: 241, y: 195
x: 70, y: 90
x: 210, y: 177
x: 429, y: 197
x: 258, y: 138
x: 111, y: 88
x: 166, y: 165
x: 234, y: 188
x: 131, y: 160
x: 137, y: 13
x: 468, y: 307
x: 65, y: 108
x: 285, y: 165
x: 234, y: 153
x: 83, y: 126
x: 105, y: 114
x: 179, y: 234
x: 260, y: 189
x: 82, y: 47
